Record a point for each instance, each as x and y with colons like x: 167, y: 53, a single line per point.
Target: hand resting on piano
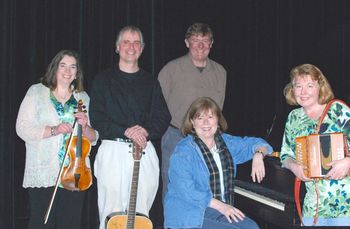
x: 258, y: 167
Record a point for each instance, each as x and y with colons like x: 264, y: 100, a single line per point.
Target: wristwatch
x: 53, y: 130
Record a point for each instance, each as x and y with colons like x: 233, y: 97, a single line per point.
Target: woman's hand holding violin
x: 63, y: 128
x: 82, y: 119
x: 88, y: 131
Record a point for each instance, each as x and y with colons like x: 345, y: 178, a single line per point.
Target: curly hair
x: 325, y: 95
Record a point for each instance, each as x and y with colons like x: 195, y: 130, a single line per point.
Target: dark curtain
x: 258, y: 42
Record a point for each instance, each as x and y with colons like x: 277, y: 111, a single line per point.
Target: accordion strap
x: 297, y: 182
x: 324, y: 113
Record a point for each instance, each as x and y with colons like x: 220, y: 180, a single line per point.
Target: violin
x: 76, y: 176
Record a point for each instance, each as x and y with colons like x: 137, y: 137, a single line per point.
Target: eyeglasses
x: 196, y: 41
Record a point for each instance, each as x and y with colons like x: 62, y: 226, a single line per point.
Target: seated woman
x: 202, y: 170
x: 310, y: 89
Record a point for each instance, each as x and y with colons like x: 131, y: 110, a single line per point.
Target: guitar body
x: 131, y: 219
x: 119, y: 220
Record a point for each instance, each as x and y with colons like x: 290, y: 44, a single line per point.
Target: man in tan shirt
x: 185, y: 79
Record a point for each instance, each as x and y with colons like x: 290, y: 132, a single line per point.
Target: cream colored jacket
x: 35, y: 113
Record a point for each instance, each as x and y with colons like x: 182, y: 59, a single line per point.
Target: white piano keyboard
x: 260, y: 198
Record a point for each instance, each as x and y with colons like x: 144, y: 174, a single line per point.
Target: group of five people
x: 183, y: 107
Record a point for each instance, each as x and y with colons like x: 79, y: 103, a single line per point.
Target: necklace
x: 62, y: 96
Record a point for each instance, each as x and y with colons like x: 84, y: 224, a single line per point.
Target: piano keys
x: 271, y: 202
x: 260, y: 198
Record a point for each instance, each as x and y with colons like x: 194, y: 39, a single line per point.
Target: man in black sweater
x: 127, y: 107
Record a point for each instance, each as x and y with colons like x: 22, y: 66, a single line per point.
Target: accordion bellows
x: 315, y: 151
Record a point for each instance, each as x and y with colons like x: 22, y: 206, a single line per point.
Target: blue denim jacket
x: 189, y: 191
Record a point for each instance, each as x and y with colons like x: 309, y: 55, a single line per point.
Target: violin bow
x: 59, y: 175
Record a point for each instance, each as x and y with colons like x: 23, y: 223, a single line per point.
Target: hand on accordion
x: 340, y: 169
x: 297, y: 169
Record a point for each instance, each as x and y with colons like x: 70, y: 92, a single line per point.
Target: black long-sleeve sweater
x: 120, y: 100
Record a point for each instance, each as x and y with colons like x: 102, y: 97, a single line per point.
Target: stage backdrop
x: 258, y: 42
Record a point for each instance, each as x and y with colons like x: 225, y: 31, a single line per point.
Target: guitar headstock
x: 136, y: 151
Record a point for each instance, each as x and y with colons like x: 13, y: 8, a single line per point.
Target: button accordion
x: 315, y: 151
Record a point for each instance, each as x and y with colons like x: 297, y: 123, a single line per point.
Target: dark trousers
x: 66, y: 211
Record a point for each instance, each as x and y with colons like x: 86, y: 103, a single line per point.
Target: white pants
x: 113, y: 170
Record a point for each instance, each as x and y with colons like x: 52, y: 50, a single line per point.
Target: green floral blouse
x: 66, y: 114
x: 334, y: 195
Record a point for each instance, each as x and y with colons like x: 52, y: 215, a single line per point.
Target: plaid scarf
x: 227, y: 168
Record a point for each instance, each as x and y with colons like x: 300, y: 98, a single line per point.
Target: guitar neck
x: 131, y: 220
x: 133, y: 195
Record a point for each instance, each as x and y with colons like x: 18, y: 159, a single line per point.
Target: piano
x: 270, y: 203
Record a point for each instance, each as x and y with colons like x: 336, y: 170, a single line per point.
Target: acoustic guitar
x: 131, y: 219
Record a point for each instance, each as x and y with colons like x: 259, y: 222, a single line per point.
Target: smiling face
x: 205, y: 125
x: 199, y: 47
x: 129, y: 47
x: 66, y: 71
x: 306, y: 91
